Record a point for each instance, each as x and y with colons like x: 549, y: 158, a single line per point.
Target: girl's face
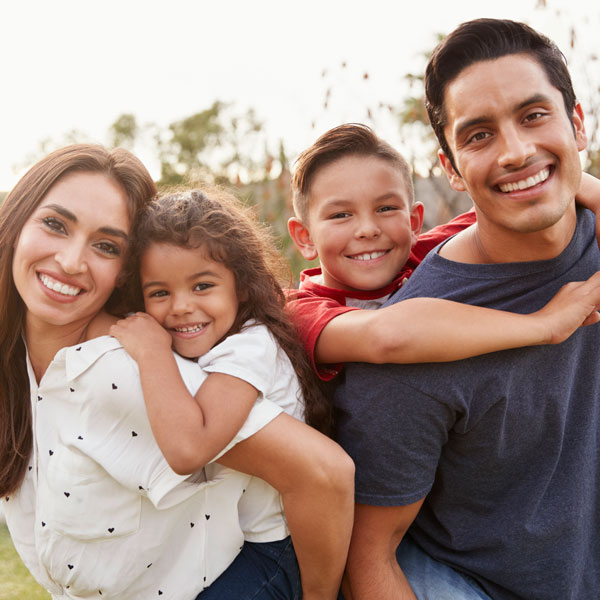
x: 190, y: 295
x: 70, y: 251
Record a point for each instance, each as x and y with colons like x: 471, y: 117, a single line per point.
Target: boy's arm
x: 190, y: 431
x: 315, y: 478
x: 435, y: 330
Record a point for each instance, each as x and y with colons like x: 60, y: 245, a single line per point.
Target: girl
x: 206, y: 272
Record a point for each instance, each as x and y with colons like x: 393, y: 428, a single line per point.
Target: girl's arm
x: 316, y: 480
x: 190, y: 431
x: 435, y: 330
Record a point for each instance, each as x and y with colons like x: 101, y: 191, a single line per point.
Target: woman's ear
x: 301, y: 236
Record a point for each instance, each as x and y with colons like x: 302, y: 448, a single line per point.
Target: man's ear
x: 301, y: 236
x: 578, y: 126
x: 416, y: 220
x: 453, y: 177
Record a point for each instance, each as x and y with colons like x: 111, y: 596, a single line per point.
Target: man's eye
x: 477, y: 137
x: 534, y: 116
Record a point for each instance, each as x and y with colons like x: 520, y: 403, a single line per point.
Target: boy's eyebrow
x: 67, y: 214
x: 486, y: 118
x: 345, y: 201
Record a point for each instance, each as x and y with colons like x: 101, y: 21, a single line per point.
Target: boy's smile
x: 516, y: 149
x: 361, y: 224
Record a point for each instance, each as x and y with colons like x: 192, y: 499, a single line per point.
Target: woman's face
x: 71, y: 249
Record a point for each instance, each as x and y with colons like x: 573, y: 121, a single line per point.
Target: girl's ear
x: 301, y: 236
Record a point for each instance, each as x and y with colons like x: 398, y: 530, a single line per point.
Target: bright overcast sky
x: 78, y: 64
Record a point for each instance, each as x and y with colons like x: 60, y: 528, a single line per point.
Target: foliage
x: 16, y: 581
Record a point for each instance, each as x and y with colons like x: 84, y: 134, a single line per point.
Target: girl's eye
x: 109, y: 248
x: 158, y: 294
x: 54, y: 224
x: 201, y: 287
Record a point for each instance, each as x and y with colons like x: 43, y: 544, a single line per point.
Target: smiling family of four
x: 465, y: 412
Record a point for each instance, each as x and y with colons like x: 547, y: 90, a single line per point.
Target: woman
x: 90, y: 502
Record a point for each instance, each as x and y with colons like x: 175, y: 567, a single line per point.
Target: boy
x: 355, y: 210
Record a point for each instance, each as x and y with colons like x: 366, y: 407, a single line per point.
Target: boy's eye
x: 387, y: 208
x: 109, y: 248
x: 340, y: 215
x: 200, y: 287
x: 54, y: 224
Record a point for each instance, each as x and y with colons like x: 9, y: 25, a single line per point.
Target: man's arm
x: 372, y: 571
x: 435, y: 330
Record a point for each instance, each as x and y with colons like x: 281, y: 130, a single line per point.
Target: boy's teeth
x: 525, y: 183
x: 368, y: 255
x: 56, y: 286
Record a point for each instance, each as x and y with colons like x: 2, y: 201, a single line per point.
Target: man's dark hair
x: 488, y: 39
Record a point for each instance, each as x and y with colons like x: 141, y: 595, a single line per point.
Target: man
x: 491, y: 464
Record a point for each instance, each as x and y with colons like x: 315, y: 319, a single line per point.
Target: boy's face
x: 360, y: 223
x: 514, y: 146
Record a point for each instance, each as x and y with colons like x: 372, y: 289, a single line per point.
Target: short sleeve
x: 250, y: 355
x: 393, y: 432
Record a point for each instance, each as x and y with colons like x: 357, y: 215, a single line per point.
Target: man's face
x: 514, y: 146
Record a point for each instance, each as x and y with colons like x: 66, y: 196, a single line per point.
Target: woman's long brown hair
x: 21, y: 202
x: 215, y: 220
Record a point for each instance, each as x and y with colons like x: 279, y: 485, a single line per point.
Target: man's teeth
x: 57, y: 286
x: 192, y: 329
x: 525, y: 183
x: 368, y: 255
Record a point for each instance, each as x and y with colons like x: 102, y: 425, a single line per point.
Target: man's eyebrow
x: 542, y: 98
x: 67, y: 214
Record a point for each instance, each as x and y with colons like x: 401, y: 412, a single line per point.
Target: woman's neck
x: 44, y: 340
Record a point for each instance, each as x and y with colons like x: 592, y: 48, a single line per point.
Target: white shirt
x: 100, y: 513
x: 254, y: 356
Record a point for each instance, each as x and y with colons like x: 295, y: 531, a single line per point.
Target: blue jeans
x: 433, y: 580
x: 267, y: 571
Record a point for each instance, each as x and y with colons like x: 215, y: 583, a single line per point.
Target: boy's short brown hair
x: 349, y: 139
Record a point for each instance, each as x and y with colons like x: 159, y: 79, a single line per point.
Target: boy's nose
x: 368, y: 229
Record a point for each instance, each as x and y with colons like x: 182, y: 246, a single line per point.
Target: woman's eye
x: 109, y: 248
x: 54, y: 224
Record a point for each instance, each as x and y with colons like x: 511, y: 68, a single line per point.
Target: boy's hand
x: 576, y: 304
x: 588, y: 195
x: 141, y: 335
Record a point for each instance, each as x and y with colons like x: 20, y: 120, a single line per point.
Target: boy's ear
x: 453, y: 176
x: 416, y: 220
x: 301, y: 236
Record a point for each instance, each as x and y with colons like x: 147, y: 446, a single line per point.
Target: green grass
x: 15, y: 581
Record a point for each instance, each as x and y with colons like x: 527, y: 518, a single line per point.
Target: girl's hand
x: 140, y: 334
x: 574, y: 305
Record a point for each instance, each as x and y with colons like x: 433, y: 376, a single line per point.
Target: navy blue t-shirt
x: 505, y: 446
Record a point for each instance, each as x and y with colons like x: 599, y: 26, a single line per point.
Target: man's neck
x: 482, y: 244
